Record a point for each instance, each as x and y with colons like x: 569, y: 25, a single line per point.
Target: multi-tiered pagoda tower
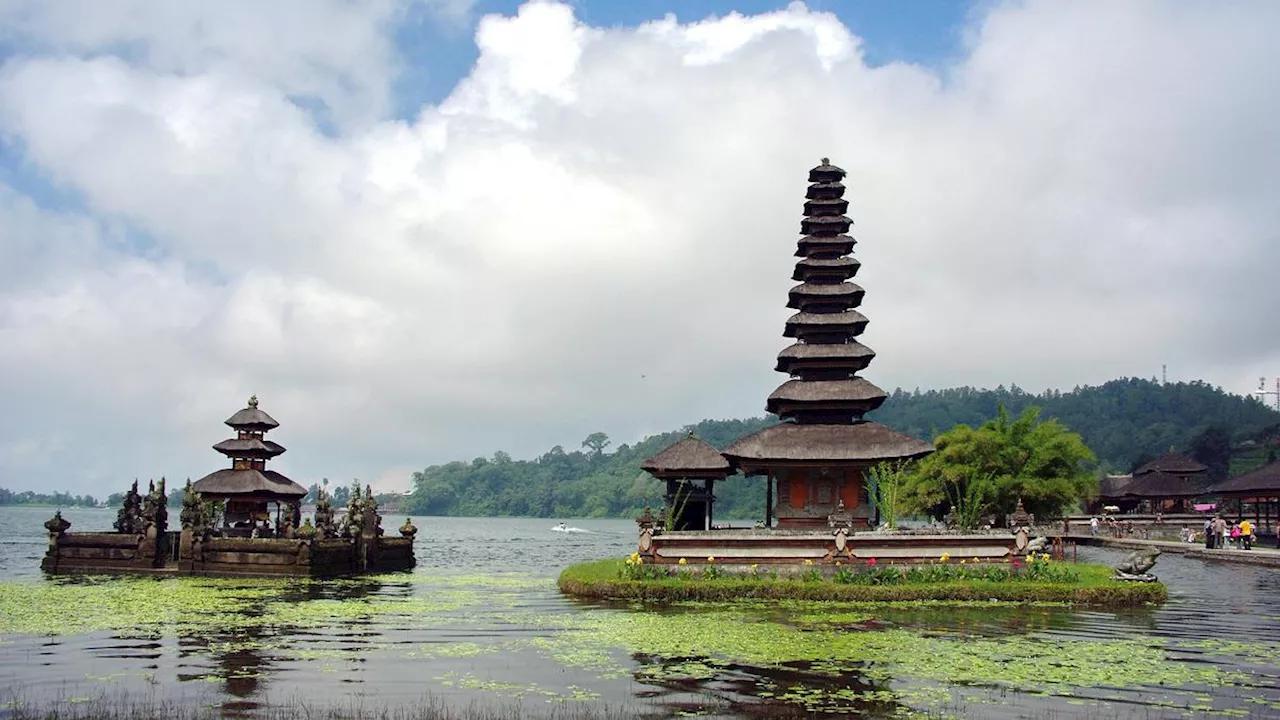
x: 248, y: 486
x: 819, y: 456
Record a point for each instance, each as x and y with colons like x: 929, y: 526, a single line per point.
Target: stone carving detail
x: 1020, y: 518
x: 56, y: 525
x: 324, y: 517
x: 841, y: 518
x: 408, y: 529
x: 842, y: 539
x: 646, y: 520
x: 307, y: 532
x: 128, y: 519
x: 192, y: 515
x: 1135, y: 566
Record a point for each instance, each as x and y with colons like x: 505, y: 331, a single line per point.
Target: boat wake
x: 566, y: 529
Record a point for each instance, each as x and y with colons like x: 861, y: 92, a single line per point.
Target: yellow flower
x: 683, y: 561
x: 808, y: 562
x: 1031, y: 558
x: 945, y: 557
x: 754, y: 566
x: 711, y: 558
x: 962, y: 561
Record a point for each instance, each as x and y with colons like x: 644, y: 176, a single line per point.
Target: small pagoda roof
x: 252, y: 419
x: 861, y: 443
x: 1158, y: 484
x: 825, y: 206
x: 249, y: 447
x: 825, y: 172
x: 825, y: 322
x: 690, y: 457
x: 842, y: 292
x: 818, y: 224
x: 839, y: 244
x: 854, y: 354
x: 1175, y: 463
x: 845, y: 266
x: 822, y: 190
x: 257, y: 483
x: 858, y: 392
x: 1263, y: 482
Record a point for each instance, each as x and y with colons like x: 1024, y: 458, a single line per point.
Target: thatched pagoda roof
x: 250, y: 447
x: 854, y: 392
x: 690, y: 457
x: 1175, y: 463
x: 843, y: 268
x: 251, y: 419
x: 860, y: 443
x: 819, y: 190
x: 1263, y: 482
x: 853, y: 355
x: 825, y: 172
x: 804, y: 323
x: 267, y: 484
x: 828, y: 290
x: 835, y: 244
x: 820, y: 224
x: 827, y: 206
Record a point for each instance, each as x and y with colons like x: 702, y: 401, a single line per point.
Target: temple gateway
x: 816, y: 461
x: 242, y: 520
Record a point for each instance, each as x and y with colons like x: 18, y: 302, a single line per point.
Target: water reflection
x: 501, y: 633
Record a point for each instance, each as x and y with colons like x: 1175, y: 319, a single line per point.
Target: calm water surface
x: 480, y: 622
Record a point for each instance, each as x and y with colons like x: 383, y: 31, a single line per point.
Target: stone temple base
x: 825, y: 547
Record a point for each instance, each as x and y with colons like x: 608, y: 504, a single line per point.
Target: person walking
x: 1093, y: 526
x: 1208, y: 533
x: 1246, y: 534
x: 1219, y: 532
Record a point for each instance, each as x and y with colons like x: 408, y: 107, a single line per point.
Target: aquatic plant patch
x: 1081, y: 584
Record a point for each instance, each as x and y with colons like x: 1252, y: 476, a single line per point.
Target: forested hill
x: 1124, y: 421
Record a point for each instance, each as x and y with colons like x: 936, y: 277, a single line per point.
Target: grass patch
x: 1091, y: 585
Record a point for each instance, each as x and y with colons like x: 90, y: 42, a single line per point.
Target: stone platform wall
x: 765, y: 547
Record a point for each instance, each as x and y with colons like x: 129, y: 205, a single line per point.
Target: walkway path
x: 1256, y: 556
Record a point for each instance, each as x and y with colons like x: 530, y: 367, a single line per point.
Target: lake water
x: 480, y: 624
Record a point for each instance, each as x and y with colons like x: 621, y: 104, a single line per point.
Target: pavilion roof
x: 690, y: 455
x: 1175, y: 463
x: 862, y: 442
x: 1158, y: 484
x: 231, y: 483
x: 854, y: 390
x: 1113, y: 486
x: 1265, y: 481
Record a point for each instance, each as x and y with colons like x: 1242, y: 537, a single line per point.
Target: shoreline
x: 1268, y: 556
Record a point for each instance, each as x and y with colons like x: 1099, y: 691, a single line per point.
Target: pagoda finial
x: 826, y: 161
x: 253, y: 401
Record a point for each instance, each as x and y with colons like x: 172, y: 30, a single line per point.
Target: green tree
x: 988, y: 469
x: 596, y: 442
x: 1213, y: 448
x: 886, y: 480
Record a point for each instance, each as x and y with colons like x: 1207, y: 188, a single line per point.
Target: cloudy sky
x: 428, y: 230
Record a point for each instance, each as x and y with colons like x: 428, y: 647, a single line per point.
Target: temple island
x: 241, y: 520
x: 819, y: 507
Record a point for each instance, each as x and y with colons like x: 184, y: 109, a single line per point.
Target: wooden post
x: 710, y: 503
x: 768, y: 500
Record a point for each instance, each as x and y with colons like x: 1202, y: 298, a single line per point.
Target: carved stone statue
x: 1135, y: 566
x: 130, y: 510
x: 841, y: 518
x: 192, y: 515
x: 324, y: 516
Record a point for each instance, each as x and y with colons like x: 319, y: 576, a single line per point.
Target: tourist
x: 1093, y: 526
x: 1208, y: 533
x: 1219, y: 532
x: 1246, y: 534
x: 1235, y: 535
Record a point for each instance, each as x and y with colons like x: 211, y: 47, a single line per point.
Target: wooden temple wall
x: 806, y: 496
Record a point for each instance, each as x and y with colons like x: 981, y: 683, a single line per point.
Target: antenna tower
x: 1262, y: 392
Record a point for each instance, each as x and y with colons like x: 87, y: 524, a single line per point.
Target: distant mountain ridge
x: 1123, y: 421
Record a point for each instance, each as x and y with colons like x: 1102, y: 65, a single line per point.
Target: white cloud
x: 594, y: 230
